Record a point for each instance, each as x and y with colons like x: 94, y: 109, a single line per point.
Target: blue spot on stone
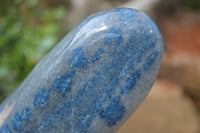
x: 16, y: 122
x: 97, y: 55
x: 26, y: 112
x: 87, y: 117
x: 144, y: 42
x: 134, y: 40
x: 149, y: 42
x: 150, y: 61
x: 62, y: 83
x: 47, y: 123
x: 126, y: 16
x: 64, y: 108
x: 87, y: 92
x: 86, y: 110
x: 85, y: 123
x: 5, y: 129
x: 51, y: 119
x: 41, y: 98
x: 113, y: 113
x: 118, y: 58
x: 110, y: 89
x: 130, y: 82
x: 77, y: 59
x: 135, y: 59
x: 56, y: 83
x: 60, y: 111
x: 113, y: 35
x: 100, y: 102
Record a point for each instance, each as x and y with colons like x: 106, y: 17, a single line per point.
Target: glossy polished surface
x: 92, y: 81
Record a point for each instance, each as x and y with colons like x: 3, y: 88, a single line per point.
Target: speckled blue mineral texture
x: 92, y: 81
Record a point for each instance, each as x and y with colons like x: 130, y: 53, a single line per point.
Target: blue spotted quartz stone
x: 92, y: 81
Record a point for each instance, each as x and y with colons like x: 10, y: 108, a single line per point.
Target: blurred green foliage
x: 191, y: 4
x: 28, y: 30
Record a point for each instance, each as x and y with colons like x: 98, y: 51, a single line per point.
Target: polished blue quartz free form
x: 92, y: 81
